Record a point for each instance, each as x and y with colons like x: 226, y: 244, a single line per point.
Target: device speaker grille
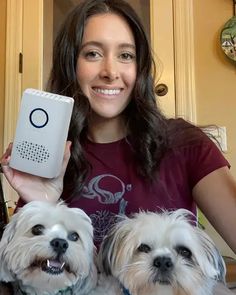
x: 32, y: 151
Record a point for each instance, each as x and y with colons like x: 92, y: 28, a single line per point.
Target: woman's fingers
x: 8, y: 172
x: 5, y: 159
x: 6, y: 156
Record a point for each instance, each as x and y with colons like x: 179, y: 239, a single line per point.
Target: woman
x: 123, y: 154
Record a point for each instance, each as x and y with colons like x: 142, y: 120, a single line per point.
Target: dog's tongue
x: 55, y: 263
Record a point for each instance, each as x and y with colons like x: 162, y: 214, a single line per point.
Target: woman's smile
x: 107, y: 92
x: 106, y: 67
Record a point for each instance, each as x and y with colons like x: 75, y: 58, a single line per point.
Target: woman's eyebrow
x: 91, y: 43
x: 127, y: 45
x: 100, y: 44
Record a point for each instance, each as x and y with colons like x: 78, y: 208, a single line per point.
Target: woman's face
x: 106, y: 66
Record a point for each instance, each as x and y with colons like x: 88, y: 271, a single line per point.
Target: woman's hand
x: 30, y: 187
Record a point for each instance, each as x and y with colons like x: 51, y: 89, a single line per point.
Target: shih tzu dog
x: 161, y: 254
x: 48, y: 249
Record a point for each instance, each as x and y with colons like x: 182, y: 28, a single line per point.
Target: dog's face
x: 47, y: 247
x: 161, y: 254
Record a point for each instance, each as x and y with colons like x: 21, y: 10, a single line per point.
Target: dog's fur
x: 161, y: 253
x: 48, y: 249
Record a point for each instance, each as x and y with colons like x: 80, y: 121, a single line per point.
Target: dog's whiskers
x: 135, y: 265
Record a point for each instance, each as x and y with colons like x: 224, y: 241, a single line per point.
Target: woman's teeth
x: 107, y: 91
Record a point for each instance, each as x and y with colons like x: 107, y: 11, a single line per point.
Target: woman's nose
x: 109, y: 70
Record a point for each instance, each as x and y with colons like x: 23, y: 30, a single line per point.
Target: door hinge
x: 20, y: 63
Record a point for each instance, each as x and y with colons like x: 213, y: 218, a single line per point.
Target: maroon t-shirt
x: 113, y: 187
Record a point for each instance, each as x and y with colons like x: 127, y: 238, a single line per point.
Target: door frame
x: 184, y: 60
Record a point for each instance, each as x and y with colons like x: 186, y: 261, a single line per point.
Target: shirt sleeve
x: 202, y: 158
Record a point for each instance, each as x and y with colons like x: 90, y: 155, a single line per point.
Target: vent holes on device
x: 32, y: 151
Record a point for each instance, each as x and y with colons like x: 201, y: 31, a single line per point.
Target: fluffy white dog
x: 160, y: 254
x: 48, y: 249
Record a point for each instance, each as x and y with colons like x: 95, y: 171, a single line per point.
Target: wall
x: 215, y: 78
x: 215, y: 73
x: 3, y: 11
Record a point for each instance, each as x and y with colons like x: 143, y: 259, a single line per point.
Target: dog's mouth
x: 52, y: 266
x: 162, y: 280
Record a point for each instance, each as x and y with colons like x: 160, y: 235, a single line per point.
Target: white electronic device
x: 41, y: 133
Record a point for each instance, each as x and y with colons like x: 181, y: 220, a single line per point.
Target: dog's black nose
x: 163, y: 263
x: 59, y: 245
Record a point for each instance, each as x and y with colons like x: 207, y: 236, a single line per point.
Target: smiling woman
x: 125, y: 155
x: 106, y: 72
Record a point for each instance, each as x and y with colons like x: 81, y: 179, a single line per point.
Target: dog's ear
x: 8, y: 234
x: 211, y: 261
x: 113, y: 245
x: 106, y: 252
x: 82, y: 214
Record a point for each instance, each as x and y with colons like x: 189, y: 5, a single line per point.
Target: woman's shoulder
x: 183, y: 133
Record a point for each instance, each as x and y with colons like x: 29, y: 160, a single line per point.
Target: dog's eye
x: 37, y: 230
x: 73, y: 236
x: 183, y: 251
x: 144, y: 248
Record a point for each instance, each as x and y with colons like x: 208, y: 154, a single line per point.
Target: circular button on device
x: 38, y: 118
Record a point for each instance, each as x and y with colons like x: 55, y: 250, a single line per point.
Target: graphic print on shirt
x: 103, y: 219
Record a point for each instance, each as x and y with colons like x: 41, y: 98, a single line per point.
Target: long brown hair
x: 145, y: 122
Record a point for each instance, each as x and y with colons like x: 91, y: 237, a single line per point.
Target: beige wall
x: 215, y: 73
x: 3, y: 8
x: 215, y: 78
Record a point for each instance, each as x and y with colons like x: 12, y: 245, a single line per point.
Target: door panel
x: 32, y: 44
x: 161, y: 19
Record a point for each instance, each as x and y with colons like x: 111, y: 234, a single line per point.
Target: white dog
x: 48, y: 249
x: 161, y: 253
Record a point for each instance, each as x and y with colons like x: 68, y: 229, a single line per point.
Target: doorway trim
x: 184, y: 60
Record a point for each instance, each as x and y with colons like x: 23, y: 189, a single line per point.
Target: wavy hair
x: 146, y: 125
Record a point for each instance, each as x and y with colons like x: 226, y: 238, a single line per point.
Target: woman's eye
x: 127, y: 57
x: 73, y: 236
x: 144, y: 248
x: 37, y: 230
x: 92, y: 55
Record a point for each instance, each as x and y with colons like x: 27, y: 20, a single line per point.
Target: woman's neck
x: 102, y: 130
